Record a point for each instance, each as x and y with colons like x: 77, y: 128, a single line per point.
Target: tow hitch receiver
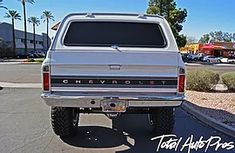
x: 114, y: 105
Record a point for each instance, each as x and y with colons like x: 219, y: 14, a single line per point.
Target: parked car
x: 21, y: 56
x: 227, y: 60
x: 200, y: 56
x: 40, y: 54
x: 223, y: 60
x: 231, y: 60
x: 192, y: 57
x: 184, y: 57
x: 37, y: 54
x: 30, y: 55
x: 211, y: 59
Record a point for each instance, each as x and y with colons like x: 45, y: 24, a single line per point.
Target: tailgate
x: 113, y: 71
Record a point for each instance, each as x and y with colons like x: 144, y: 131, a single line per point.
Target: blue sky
x: 204, y: 16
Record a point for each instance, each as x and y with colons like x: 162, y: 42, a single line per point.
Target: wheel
x: 208, y: 61
x: 64, y: 120
x: 162, y: 120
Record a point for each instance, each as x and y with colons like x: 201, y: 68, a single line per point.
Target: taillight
x: 181, y: 80
x: 181, y: 83
x: 46, y: 78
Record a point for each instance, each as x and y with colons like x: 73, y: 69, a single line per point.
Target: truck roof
x: 107, y: 16
x: 113, y: 14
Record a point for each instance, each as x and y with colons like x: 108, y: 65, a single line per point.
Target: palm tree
x: 14, y: 15
x: 47, y: 16
x: 35, y: 21
x: 23, y: 2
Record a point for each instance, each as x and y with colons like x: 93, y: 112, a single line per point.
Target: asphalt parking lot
x: 25, y: 127
x: 20, y: 73
x: 218, y: 68
x: 25, y: 124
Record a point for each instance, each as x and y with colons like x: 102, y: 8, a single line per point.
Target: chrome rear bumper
x: 95, y: 101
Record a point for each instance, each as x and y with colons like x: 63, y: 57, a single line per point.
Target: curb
x: 219, y: 65
x: 225, y: 65
x: 9, y: 63
x: 209, y: 120
x: 14, y: 63
x: 31, y: 63
x: 20, y: 85
x: 193, y: 64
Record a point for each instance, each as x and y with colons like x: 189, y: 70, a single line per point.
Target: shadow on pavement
x: 96, y: 137
x: 133, y: 132
x: 137, y: 127
x: 130, y: 130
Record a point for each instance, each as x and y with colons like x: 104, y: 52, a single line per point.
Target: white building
x: 6, y: 35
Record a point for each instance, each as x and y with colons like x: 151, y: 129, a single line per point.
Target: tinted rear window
x: 123, y: 34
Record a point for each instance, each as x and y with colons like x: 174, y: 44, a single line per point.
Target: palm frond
x: 27, y: 1
x: 30, y: 1
x: 18, y: 18
x: 7, y: 15
x: 4, y: 7
x: 47, y: 15
x: 34, y: 20
x: 13, y: 14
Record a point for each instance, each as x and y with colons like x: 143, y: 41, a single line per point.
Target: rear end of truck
x: 113, y: 64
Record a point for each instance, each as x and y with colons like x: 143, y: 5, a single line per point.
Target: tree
x: 23, y: 2
x: 14, y: 15
x: 204, y: 39
x: 217, y: 36
x: 47, y: 16
x: 2, y: 45
x: 155, y: 7
x: 5, y: 49
x: 233, y: 36
x: 175, y: 16
x: 35, y: 21
x: 221, y: 36
x: 227, y: 37
x: 181, y: 40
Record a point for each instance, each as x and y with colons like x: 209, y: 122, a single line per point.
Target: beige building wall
x: 191, y: 48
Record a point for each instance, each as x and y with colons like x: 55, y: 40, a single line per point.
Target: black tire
x: 162, y: 120
x: 62, y: 121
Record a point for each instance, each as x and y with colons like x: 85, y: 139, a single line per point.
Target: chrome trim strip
x: 141, y: 90
x: 114, y: 77
x: 111, y: 86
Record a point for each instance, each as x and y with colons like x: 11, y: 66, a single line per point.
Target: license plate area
x: 114, y: 105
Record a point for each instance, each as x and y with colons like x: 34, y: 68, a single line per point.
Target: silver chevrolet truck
x: 113, y: 64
